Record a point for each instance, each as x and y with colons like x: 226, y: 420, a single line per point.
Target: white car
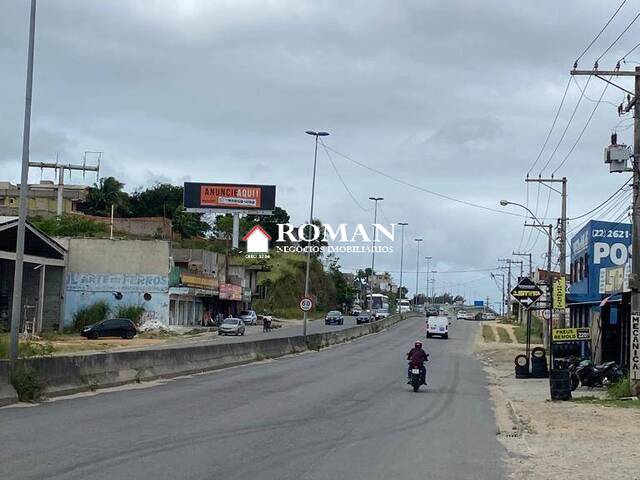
x: 462, y: 315
x: 488, y: 316
x: 438, y: 326
x: 249, y: 317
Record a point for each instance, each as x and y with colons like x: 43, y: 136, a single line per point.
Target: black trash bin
x: 560, y: 384
x: 539, y: 363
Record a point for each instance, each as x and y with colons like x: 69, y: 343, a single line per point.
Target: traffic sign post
x: 306, y: 304
x: 526, y: 293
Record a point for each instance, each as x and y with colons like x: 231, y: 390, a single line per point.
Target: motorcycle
x: 415, y: 376
x: 583, y: 371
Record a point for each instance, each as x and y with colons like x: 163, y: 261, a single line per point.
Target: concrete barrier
x: 7, y: 392
x: 64, y: 375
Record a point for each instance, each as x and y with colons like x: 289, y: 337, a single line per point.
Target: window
x: 586, y: 265
x: 581, y: 268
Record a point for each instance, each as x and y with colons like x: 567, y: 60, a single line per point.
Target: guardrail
x: 64, y: 375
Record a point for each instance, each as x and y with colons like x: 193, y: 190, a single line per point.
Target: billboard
x: 596, y: 247
x: 229, y: 197
x: 230, y: 292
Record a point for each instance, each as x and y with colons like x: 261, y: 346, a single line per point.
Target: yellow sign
x: 559, y: 297
x: 198, y: 281
x: 571, y: 334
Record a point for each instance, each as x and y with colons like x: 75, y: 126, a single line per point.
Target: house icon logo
x: 257, y: 240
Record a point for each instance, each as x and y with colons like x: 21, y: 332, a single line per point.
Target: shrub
x: 620, y: 389
x: 132, y: 312
x: 90, y: 315
x: 70, y: 226
x: 27, y: 382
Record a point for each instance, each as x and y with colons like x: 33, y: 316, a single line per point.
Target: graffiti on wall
x: 101, y: 282
x: 118, y: 290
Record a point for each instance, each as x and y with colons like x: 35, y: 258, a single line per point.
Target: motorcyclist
x: 416, y: 357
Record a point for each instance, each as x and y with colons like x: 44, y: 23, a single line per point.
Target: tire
x: 243, y: 333
x: 92, y: 336
x: 521, y: 360
x: 428, y: 335
x: 575, y: 381
x: 446, y: 336
x: 538, y: 352
x: 129, y: 335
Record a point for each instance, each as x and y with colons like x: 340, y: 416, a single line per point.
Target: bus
x: 378, y: 304
x: 404, y: 306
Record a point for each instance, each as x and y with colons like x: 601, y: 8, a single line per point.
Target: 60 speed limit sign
x: 306, y: 304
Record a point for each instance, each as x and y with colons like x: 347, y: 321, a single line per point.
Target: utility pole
x: 402, y: 224
x: 562, y: 243
x: 428, y: 259
x: 516, y: 254
x: 633, y: 102
x: 418, y: 240
x: 547, y: 326
x: 508, y: 261
x: 502, y: 290
x: 16, y: 301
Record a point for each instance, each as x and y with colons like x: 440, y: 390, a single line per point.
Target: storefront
x: 598, y: 295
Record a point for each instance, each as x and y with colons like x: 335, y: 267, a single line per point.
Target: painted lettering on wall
x: 103, y: 282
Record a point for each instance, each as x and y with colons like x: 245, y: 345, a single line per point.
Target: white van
x: 404, y: 306
x: 438, y: 326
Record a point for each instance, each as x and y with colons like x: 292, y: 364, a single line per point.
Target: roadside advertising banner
x: 225, y: 196
x: 571, y: 334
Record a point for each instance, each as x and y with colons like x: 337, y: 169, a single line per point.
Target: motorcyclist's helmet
x: 418, y: 344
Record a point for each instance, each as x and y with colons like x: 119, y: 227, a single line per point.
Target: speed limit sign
x: 306, y: 304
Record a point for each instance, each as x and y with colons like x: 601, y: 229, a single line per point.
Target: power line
x: 602, y: 203
x: 595, y: 107
x: 618, y: 38
x: 566, y: 128
x: 600, y: 32
x: 422, y: 189
x: 342, y: 180
x: 593, y: 100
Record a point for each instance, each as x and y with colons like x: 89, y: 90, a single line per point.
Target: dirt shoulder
x: 547, y: 439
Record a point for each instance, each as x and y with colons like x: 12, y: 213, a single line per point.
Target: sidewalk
x: 545, y: 439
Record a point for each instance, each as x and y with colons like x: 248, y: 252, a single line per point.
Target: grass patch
x: 619, y: 389
x: 89, y: 315
x: 487, y: 333
x: 520, y: 331
x: 28, y: 383
x: 26, y: 349
x: 608, y: 402
x: 132, y: 312
x: 503, y: 335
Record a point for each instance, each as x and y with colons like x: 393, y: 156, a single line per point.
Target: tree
x: 189, y: 224
x: 344, y: 292
x: 268, y: 223
x: 160, y: 200
x: 107, y: 192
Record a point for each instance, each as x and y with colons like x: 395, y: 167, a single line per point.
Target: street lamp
x: 402, y: 224
x: 313, y: 191
x: 418, y: 240
x: 428, y: 259
x: 373, y: 250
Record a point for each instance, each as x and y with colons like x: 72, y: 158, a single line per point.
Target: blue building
x: 598, y: 293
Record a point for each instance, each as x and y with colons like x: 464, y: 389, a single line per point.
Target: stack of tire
x: 539, y: 363
x: 522, y: 366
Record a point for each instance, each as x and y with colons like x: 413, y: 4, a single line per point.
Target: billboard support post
x: 235, y: 242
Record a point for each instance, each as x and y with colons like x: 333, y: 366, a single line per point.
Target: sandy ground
x: 547, y: 440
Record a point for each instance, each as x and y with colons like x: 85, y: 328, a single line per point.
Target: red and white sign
x: 230, y: 196
x: 227, y: 291
x: 306, y: 304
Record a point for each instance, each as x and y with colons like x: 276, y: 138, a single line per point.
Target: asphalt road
x: 341, y: 413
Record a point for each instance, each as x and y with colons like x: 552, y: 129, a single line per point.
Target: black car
x: 363, y: 318
x: 114, y: 327
x: 334, y: 317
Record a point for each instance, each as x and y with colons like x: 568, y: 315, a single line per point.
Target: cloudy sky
x: 453, y: 97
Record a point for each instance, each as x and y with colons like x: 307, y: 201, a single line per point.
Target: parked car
x: 231, y: 326
x: 114, y: 327
x: 249, y: 317
x: 438, y: 326
x: 463, y: 315
x: 488, y: 316
x: 364, y: 317
x: 334, y: 317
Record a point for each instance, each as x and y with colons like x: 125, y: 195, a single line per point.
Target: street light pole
x: 418, y: 240
x: 373, y: 250
x: 402, y: 224
x: 428, y: 259
x: 313, y: 191
x: 16, y: 302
